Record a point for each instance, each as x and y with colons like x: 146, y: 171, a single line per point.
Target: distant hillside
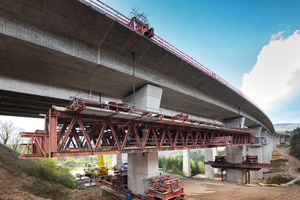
x: 286, y: 126
x: 167, y: 153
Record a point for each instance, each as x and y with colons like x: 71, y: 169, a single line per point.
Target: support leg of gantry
x: 222, y: 172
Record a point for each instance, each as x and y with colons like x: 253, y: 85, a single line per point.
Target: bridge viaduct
x: 51, y: 50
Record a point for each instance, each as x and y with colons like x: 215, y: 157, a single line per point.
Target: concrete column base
x: 210, y: 154
x: 234, y: 175
x: 235, y: 154
x: 256, y: 151
x: 141, y: 166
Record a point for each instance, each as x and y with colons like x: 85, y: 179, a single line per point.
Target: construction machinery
x: 97, y: 172
x: 163, y: 188
x: 250, y: 163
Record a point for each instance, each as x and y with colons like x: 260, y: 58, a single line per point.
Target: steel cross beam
x: 96, y: 134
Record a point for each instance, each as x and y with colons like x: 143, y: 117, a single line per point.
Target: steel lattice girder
x: 68, y: 133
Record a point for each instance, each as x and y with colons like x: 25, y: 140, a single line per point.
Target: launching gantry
x: 87, y: 127
x: 250, y: 163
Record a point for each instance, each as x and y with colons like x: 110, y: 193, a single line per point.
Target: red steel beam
x: 56, y: 139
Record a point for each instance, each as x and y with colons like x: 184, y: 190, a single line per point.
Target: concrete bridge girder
x: 107, y: 44
x: 54, y: 52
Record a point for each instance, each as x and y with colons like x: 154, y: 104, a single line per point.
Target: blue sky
x: 227, y: 36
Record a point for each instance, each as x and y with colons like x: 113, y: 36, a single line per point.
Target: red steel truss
x: 92, y: 128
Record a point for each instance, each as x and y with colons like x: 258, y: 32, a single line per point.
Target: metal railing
x: 81, y: 103
x: 115, y: 15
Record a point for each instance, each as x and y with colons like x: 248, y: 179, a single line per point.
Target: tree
x: 222, y: 153
x: 9, y: 134
x: 201, y: 167
x: 6, y: 129
x: 194, y: 168
x: 107, y: 160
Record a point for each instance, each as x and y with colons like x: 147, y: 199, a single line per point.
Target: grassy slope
x: 16, y: 183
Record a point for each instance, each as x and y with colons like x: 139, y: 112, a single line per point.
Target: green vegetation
x: 46, y: 169
x: 295, y: 143
x: 2, y: 157
x: 279, y: 180
x: 175, y: 162
x: 107, y: 160
x: 278, y: 162
x: 222, y: 153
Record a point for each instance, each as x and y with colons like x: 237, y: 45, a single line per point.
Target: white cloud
x: 277, y: 36
x: 276, y: 72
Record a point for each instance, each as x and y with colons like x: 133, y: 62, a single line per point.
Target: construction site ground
x: 16, y: 184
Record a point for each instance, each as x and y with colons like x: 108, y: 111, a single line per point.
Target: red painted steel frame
x: 163, y: 188
x: 68, y: 132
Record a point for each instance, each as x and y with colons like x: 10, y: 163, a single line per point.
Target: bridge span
x: 51, y: 50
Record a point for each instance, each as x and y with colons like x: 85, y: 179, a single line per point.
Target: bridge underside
x: 106, y: 129
x: 69, y: 44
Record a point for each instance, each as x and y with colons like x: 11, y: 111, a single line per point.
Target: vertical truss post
x: 52, y: 131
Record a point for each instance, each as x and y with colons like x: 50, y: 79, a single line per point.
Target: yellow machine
x: 98, y: 171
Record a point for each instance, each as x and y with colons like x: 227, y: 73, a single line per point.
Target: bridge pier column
x: 256, y: 151
x: 234, y: 154
x: 265, y: 150
x: 186, y: 163
x: 117, y: 161
x: 141, y: 166
x: 274, y: 143
x: 210, y: 154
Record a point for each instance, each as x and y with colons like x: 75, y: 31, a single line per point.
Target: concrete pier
x: 256, y: 150
x: 235, y: 122
x: 117, y: 161
x: 186, y: 163
x: 141, y: 166
x: 234, y: 154
x: 210, y: 154
x: 147, y: 98
x: 266, y: 151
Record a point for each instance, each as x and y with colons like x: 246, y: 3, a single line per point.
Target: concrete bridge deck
x: 69, y: 46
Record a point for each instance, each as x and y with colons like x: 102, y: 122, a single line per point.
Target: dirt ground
x: 196, y: 189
